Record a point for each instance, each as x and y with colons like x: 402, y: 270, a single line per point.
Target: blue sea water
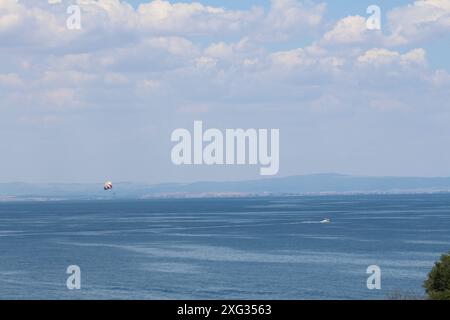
x: 241, y: 248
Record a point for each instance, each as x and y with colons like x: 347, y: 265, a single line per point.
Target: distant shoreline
x: 305, y: 185
x: 193, y: 196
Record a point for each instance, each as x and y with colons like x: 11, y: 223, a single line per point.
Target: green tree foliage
x: 437, y: 285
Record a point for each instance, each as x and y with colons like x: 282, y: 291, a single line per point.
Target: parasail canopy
x: 108, y: 185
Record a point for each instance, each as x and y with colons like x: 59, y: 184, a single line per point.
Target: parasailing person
x: 109, y: 186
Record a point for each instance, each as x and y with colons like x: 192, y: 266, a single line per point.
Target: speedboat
x: 325, y: 221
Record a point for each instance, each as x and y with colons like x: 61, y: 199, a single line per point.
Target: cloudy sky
x: 101, y: 102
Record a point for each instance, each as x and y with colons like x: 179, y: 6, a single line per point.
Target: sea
x: 223, y: 248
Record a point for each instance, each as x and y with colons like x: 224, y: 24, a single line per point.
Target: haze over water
x: 242, y: 248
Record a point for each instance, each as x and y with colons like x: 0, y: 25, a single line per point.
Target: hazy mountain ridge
x: 306, y: 184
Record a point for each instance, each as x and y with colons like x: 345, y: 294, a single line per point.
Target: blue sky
x: 101, y: 102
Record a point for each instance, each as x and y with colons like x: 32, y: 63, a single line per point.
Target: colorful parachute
x: 108, y: 185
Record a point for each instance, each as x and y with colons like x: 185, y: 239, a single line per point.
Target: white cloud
x: 67, y: 76
x: 416, y: 56
x: 9, y: 21
x: 440, y: 78
x: 183, y: 17
x: 419, y: 21
x: 289, y: 14
x: 293, y: 58
x: 166, y: 18
x: 174, y: 45
x: 405, y: 25
x: 409, y: 24
x: 219, y: 50
x: 149, y: 84
x: 115, y: 78
x: 351, y: 29
x: 379, y: 57
x: 10, y: 79
x: 312, y: 56
x: 206, y: 62
x: 61, y: 97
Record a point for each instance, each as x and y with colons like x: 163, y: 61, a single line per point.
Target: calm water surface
x: 249, y: 248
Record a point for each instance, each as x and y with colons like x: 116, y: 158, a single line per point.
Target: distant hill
x: 306, y: 184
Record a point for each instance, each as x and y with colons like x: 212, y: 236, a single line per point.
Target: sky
x: 100, y: 103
